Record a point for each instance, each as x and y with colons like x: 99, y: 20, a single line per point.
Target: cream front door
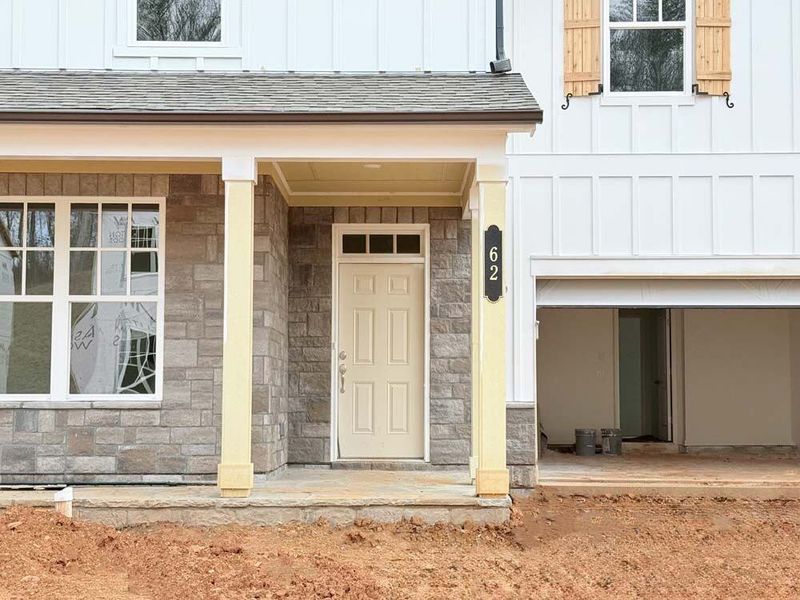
x: 381, y: 357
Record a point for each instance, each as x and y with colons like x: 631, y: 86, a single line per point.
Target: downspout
x: 502, y: 64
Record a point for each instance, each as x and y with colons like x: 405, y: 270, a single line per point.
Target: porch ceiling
x: 363, y: 183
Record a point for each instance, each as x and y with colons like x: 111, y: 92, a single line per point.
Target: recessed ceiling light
x: 372, y: 166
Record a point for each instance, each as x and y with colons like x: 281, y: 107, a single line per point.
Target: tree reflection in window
x: 647, y: 45
x: 646, y: 60
x: 178, y: 20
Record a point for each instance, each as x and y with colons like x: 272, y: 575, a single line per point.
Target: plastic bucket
x: 612, y: 441
x: 585, y: 442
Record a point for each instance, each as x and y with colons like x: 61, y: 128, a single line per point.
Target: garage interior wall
x: 738, y: 380
x: 575, y: 371
x: 741, y: 375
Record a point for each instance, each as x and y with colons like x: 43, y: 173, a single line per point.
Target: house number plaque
x: 493, y: 263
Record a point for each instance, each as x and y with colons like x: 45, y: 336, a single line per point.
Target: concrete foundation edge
x: 337, y: 516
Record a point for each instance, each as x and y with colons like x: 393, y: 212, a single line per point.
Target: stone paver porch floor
x: 296, y: 495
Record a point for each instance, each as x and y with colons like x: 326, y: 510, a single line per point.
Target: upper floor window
x: 179, y: 20
x: 647, y: 49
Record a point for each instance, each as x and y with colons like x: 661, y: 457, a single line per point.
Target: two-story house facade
x: 241, y: 234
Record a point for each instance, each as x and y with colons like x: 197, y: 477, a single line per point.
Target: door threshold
x: 379, y: 460
x: 383, y: 464
x: 633, y: 447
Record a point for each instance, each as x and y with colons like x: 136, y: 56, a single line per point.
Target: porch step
x: 299, y: 496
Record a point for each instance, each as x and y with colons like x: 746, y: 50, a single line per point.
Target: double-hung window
x: 647, y: 47
x: 81, y: 299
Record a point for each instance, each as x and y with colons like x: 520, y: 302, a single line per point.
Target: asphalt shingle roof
x: 262, y: 97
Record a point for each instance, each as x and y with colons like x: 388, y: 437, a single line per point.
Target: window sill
x: 44, y: 404
x: 647, y: 100
x: 514, y: 405
x: 168, y: 51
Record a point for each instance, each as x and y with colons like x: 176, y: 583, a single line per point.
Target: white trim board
x: 682, y: 267
x: 697, y: 293
x: 336, y: 259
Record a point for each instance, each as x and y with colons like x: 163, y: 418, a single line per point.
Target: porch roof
x: 266, y: 97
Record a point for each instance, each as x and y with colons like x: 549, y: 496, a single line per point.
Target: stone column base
x: 523, y: 476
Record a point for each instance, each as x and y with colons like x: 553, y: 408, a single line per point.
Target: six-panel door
x: 380, y: 359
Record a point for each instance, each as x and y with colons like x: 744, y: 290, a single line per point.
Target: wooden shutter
x: 581, y: 47
x: 713, y: 46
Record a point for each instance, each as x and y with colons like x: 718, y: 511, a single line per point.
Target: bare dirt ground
x: 555, y: 548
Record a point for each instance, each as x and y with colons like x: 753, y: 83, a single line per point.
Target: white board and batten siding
x: 619, y: 180
x: 258, y: 35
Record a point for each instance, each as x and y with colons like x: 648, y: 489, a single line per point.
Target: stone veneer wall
x: 180, y: 440
x: 310, y: 336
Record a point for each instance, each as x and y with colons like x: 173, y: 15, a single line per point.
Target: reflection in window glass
x: 25, y: 333
x: 114, y: 228
x: 113, y: 274
x: 10, y: 272
x: 144, y: 231
x: 646, y: 10
x: 39, y: 273
x: 113, y: 348
x: 178, y: 20
x: 10, y: 225
x: 646, y: 60
x: 83, y: 226
x: 620, y: 10
x: 674, y: 10
x: 82, y: 273
x: 354, y: 244
x: 41, y: 225
x: 381, y: 244
x: 408, y: 244
x: 144, y: 273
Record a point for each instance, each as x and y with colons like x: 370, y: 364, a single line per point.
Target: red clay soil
x: 555, y: 548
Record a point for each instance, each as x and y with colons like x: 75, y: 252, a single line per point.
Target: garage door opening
x: 645, y: 407
x: 698, y: 378
x: 704, y: 396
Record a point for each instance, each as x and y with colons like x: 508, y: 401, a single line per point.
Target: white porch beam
x: 375, y: 142
x: 235, y: 474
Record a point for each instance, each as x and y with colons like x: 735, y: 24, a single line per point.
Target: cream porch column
x: 489, y: 338
x: 235, y: 475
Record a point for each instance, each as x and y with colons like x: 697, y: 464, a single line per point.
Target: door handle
x: 342, y: 371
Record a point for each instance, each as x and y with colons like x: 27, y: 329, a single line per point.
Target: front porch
x: 245, y: 326
x: 297, y: 495
x: 244, y: 367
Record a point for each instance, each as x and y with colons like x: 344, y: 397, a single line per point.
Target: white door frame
x: 337, y: 258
